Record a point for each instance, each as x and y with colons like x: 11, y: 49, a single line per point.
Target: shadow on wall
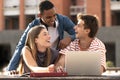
x: 110, y: 54
x: 5, y: 52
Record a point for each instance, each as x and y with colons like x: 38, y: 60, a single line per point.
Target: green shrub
x: 109, y: 64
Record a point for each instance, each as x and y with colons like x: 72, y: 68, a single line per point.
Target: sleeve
x: 71, y: 47
x: 102, y: 50
x: 98, y: 45
x: 69, y: 27
x: 13, y: 64
x: 103, y: 59
x: 103, y: 55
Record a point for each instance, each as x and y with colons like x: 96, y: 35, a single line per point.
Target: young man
x: 56, y: 25
x: 86, y: 30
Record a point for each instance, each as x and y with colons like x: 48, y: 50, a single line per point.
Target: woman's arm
x: 31, y: 63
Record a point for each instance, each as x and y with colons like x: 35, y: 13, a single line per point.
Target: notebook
x: 54, y: 74
x: 82, y: 63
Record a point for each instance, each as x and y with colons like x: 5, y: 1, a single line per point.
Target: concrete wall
x: 107, y: 35
x: 10, y: 37
x: 111, y: 35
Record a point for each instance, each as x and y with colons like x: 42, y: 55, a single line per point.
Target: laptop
x: 83, y: 63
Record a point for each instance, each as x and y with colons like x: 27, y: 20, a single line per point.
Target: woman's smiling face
x: 43, y: 39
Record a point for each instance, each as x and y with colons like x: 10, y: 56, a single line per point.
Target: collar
x: 46, y: 24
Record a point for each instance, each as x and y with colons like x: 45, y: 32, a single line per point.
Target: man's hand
x: 64, y: 43
x: 12, y: 73
x: 60, y: 64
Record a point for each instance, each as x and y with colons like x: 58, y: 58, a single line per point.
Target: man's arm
x: 60, y: 63
x: 16, y: 56
x: 64, y: 42
x: 13, y: 64
x: 68, y: 26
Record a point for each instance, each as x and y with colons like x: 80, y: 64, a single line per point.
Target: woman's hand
x: 51, y: 68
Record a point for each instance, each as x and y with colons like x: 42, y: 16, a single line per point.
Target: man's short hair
x: 45, y: 5
x: 90, y: 22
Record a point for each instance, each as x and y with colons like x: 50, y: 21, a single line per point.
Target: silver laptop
x: 82, y: 63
